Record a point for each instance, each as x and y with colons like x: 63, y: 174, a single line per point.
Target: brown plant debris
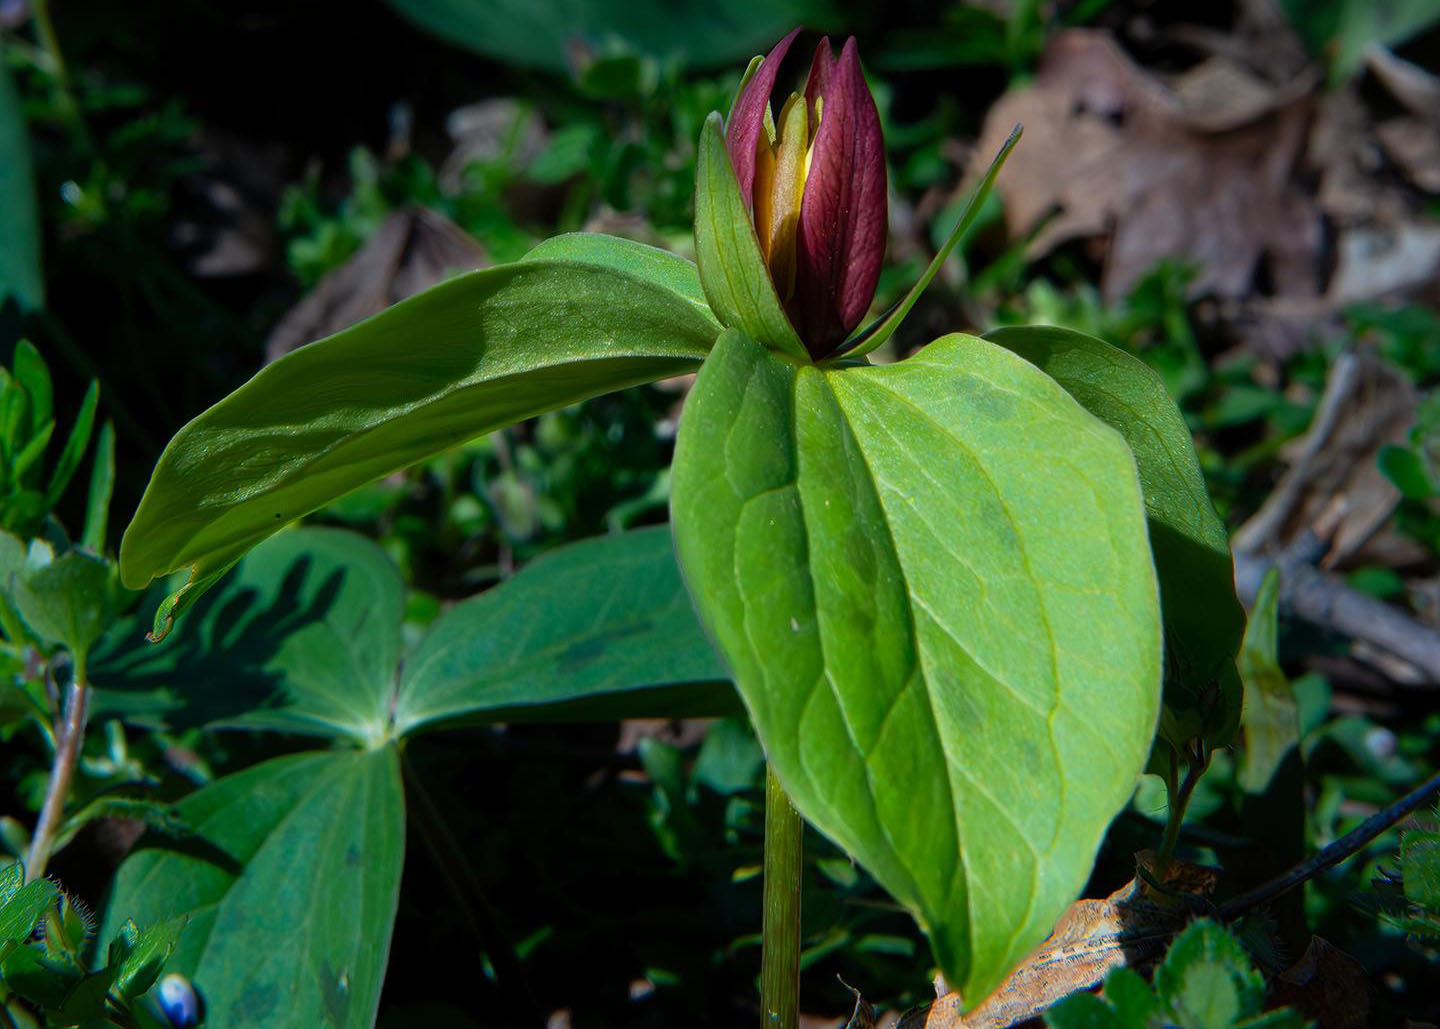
x: 1163, y: 169
x: 1334, y: 488
x: 1130, y: 927
x: 413, y: 249
x: 1326, y: 985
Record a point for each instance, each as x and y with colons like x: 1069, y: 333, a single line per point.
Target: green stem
x: 69, y: 736
x: 1179, y: 798
x: 784, y: 864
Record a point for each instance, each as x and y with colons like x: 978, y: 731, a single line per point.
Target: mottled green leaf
x: 932, y: 584
x: 471, y: 355
x: 290, y: 891
x: 550, y: 35
x: 1203, y: 617
x: 732, y: 271
x: 304, y: 637
x: 599, y: 629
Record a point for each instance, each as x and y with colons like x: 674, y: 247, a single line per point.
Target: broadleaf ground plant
x: 949, y: 591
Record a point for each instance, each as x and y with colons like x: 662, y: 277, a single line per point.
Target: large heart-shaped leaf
x: 290, y: 887
x: 1203, y: 617
x: 471, y: 355
x: 304, y: 637
x: 932, y: 584
x: 600, y: 629
x: 20, y: 274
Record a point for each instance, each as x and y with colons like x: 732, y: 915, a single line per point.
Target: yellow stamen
x: 779, y: 185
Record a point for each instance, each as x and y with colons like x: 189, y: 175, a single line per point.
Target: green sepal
x: 732, y: 270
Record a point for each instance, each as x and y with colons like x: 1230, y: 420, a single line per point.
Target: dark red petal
x: 843, y: 217
x: 747, y: 116
x: 821, y: 70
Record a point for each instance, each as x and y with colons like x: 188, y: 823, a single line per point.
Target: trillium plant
x: 951, y: 591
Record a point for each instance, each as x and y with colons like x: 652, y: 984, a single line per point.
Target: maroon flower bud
x: 814, y: 181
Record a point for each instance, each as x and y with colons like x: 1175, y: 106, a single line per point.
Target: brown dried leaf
x: 1413, y: 86
x: 1382, y: 260
x: 412, y: 250
x: 1117, y: 152
x: 1414, y: 145
x: 1326, y: 985
x: 1130, y: 927
x: 1334, y: 488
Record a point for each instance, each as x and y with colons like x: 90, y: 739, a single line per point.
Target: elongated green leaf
x: 661, y: 267
x: 473, y: 354
x: 874, y: 335
x: 31, y: 372
x: 732, y: 270
x: 304, y: 637
x: 74, y: 449
x: 102, y: 483
x: 1203, y: 617
x: 20, y: 273
x: 290, y: 892
x: 1271, y: 724
x: 548, y: 35
x: 1271, y: 771
x: 602, y: 628
x: 932, y: 584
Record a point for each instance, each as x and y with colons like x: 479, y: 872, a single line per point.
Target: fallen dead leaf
x: 1112, y: 150
x: 1130, y: 927
x: 1412, y: 85
x: 1334, y: 488
x: 413, y: 249
x: 1326, y: 985
x: 1377, y: 261
x: 1414, y: 145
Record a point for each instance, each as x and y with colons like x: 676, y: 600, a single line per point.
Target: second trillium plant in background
x: 932, y: 582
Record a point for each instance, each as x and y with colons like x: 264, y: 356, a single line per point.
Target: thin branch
x: 69, y: 735
x: 1337, y: 852
x: 1320, y: 599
